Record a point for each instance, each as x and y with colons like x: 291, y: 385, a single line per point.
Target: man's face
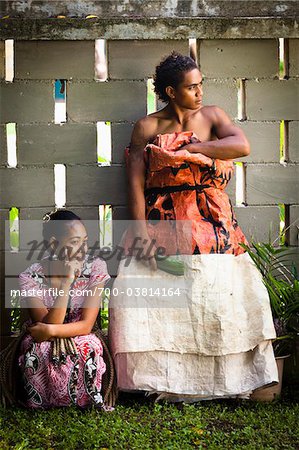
x: 188, y: 93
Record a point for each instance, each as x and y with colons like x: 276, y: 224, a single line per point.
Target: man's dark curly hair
x: 170, y: 72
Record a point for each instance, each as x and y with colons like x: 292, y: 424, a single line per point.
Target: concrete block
x: 123, y: 55
x: 2, y: 59
x: 272, y: 184
x: 90, y: 217
x: 137, y: 11
x: 31, y: 225
x: 17, y: 263
x: 238, y: 58
x: 259, y: 223
x: 121, y: 213
x: 27, y: 186
x: 294, y: 57
x: 120, y: 136
x: 27, y: 102
x: 137, y: 27
x: 272, y: 100
x: 9, y: 281
x: 231, y: 189
x: 294, y: 141
x: 4, y: 227
x: 294, y: 225
x: 2, y: 279
x: 29, y: 213
x: 112, y: 267
x: 3, y: 149
x: 120, y: 222
x: 106, y: 101
x: 223, y: 93
x: 60, y: 144
x: 86, y: 213
x: 91, y: 185
x: 121, y: 219
x: 264, y: 141
x: 52, y: 60
x: 5, y: 317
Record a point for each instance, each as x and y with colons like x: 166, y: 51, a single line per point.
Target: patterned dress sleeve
x: 31, y: 282
x: 99, y: 273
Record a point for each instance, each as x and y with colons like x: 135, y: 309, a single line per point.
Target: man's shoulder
x: 211, y: 110
x: 146, y: 127
x: 151, y: 120
x: 214, y: 114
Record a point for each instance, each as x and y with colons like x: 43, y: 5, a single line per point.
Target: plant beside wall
x: 281, y: 280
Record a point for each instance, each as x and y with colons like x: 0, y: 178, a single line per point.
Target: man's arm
x: 232, y: 142
x: 136, y: 169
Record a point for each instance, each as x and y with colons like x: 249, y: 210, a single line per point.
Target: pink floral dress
x: 78, y: 380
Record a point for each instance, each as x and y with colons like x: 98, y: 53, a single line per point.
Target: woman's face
x: 75, y: 241
x: 188, y: 94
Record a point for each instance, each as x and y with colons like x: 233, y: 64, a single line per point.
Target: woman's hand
x: 41, y: 331
x: 70, y: 269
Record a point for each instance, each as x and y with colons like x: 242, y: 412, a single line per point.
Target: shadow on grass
x: 289, y: 396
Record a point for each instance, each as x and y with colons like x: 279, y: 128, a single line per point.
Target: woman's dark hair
x: 170, y: 72
x: 55, y: 223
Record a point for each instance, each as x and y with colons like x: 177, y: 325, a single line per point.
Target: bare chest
x: 200, y: 125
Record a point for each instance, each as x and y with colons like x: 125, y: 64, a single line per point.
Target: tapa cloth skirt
x: 207, y: 334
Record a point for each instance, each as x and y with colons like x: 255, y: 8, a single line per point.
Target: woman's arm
x: 232, y: 142
x: 46, y: 331
x: 39, y: 313
x: 37, y: 310
x: 41, y: 331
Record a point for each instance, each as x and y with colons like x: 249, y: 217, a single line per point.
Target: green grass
x: 138, y: 423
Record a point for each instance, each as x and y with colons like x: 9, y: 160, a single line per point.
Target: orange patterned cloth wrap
x: 182, y: 186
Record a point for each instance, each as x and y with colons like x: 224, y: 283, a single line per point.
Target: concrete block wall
x: 232, y: 69
x: 4, y: 215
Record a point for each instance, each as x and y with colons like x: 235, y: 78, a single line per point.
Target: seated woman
x: 213, y: 340
x: 60, y: 358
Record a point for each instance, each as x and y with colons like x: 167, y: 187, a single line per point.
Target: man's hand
x: 189, y: 146
x: 41, y: 331
x: 231, y: 142
x: 144, y: 250
x: 148, y: 255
